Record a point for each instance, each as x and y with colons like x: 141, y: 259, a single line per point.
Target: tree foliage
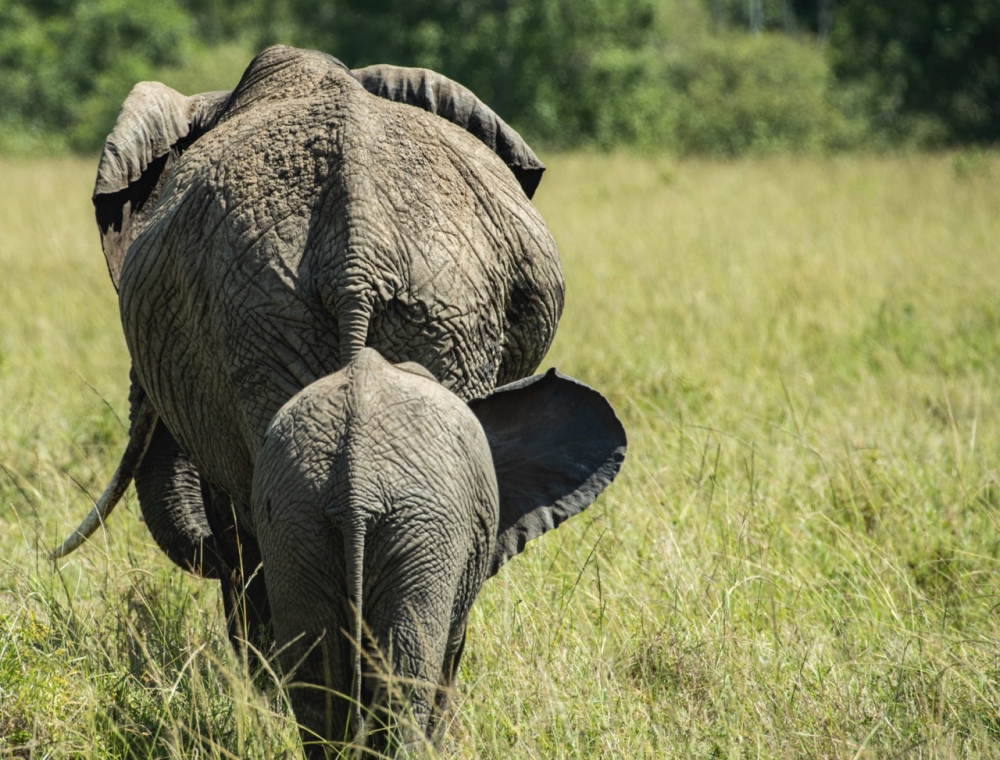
x: 66, y: 65
x: 602, y: 72
x: 531, y: 60
x: 929, y: 68
x: 725, y: 77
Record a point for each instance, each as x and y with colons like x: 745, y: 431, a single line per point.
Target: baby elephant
x: 382, y: 502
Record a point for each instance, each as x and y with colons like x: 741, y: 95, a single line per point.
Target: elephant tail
x: 139, y: 438
x: 354, y: 554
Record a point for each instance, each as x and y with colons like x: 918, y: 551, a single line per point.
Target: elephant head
x: 382, y: 502
x: 260, y: 238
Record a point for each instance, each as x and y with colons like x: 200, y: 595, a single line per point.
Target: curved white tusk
x: 142, y: 434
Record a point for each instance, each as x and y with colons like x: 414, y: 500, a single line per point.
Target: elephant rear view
x: 260, y: 238
x: 311, y: 218
x: 382, y: 503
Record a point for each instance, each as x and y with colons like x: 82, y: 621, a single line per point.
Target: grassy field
x: 799, y: 559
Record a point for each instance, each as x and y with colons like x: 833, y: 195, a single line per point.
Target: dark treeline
x: 725, y: 77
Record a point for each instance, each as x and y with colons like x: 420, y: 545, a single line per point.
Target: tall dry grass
x: 799, y: 559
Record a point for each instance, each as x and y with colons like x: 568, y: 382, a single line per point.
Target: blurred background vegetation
x: 716, y: 77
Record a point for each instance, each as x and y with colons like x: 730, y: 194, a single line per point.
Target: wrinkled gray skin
x: 378, y: 491
x: 260, y: 238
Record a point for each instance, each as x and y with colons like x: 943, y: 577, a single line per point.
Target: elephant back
x: 315, y: 218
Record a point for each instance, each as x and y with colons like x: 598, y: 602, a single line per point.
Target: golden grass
x: 799, y: 559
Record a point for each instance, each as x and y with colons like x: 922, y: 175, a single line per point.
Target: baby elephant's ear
x: 556, y: 445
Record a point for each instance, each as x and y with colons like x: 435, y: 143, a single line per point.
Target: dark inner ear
x: 156, y: 125
x: 108, y: 207
x: 556, y: 444
x: 118, y: 212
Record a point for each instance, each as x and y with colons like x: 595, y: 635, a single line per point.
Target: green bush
x: 926, y: 71
x: 720, y: 95
x: 738, y: 95
x: 676, y: 75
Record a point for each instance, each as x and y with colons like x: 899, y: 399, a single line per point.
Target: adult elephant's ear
x: 441, y: 96
x: 155, y: 125
x: 556, y: 445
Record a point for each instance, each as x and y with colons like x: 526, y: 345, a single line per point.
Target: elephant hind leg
x: 306, y: 580
x: 398, y: 696
x: 443, y: 701
x: 408, y: 608
x: 170, y: 495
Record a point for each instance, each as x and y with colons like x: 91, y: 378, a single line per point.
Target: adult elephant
x: 259, y: 239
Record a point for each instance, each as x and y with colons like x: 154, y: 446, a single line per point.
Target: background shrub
x: 66, y: 66
x: 720, y: 77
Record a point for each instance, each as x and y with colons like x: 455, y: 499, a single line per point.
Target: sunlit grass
x: 800, y: 558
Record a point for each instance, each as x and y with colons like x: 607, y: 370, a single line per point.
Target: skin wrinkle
x: 166, y: 307
x: 164, y: 304
x: 461, y: 234
x: 484, y: 209
x: 305, y: 372
x: 286, y: 362
x: 404, y: 185
x: 511, y: 348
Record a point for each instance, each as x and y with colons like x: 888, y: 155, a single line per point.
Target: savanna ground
x: 799, y: 559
